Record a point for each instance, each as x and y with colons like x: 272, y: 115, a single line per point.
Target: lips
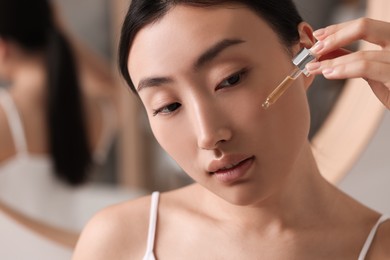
x: 230, y: 171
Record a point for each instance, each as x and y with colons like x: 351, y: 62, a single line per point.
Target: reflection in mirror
x: 58, y: 116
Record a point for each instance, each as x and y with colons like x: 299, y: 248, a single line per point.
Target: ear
x: 306, y: 40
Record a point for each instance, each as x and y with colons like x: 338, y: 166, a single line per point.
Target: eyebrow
x: 207, y: 56
x: 153, y: 82
x: 214, y: 51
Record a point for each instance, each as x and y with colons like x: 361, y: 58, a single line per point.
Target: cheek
x: 175, y: 139
x: 167, y: 136
x: 283, y: 127
x: 296, y: 109
x: 288, y: 124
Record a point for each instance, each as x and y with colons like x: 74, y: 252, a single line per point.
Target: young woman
x: 202, y: 70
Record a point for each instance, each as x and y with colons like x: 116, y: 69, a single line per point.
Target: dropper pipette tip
x: 266, y: 104
x: 300, y: 60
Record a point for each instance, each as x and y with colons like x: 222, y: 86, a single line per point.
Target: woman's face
x: 202, y: 75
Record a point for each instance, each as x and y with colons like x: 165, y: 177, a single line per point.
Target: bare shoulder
x: 381, y: 243
x: 116, y: 232
x: 384, y: 239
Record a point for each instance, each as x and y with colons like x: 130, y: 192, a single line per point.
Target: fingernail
x: 328, y: 71
x: 313, y: 66
x: 318, y: 33
x: 317, y: 47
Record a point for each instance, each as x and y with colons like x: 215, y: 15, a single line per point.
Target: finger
x: 379, y: 56
x: 337, y: 36
x: 334, y: 54
x: 370, y: 70
x: 356, y: 57
x: 322, y: 33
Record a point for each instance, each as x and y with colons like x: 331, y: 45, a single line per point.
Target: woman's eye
x: 167, y: 109
x: 232, y: 80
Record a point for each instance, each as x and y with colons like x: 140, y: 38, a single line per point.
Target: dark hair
x: 281, y: 15
x: 30, y: 24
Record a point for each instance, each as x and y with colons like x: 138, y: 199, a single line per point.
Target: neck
x: 28, y: 80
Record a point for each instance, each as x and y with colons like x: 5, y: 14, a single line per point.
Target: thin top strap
x: 149, y: 255
x: 14, y: 121
x: 370, y: 237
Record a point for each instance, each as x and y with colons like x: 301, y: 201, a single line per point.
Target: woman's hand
x: 372, y: 65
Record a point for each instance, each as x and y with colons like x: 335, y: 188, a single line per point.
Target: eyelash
x: 240, y: 74
x: 161, y: 110
x: 174, y: 106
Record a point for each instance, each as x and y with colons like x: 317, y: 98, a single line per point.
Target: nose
x: 211, y: 126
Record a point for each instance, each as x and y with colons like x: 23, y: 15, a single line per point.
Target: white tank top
x: 149, y: 255
x: 27, y: 180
